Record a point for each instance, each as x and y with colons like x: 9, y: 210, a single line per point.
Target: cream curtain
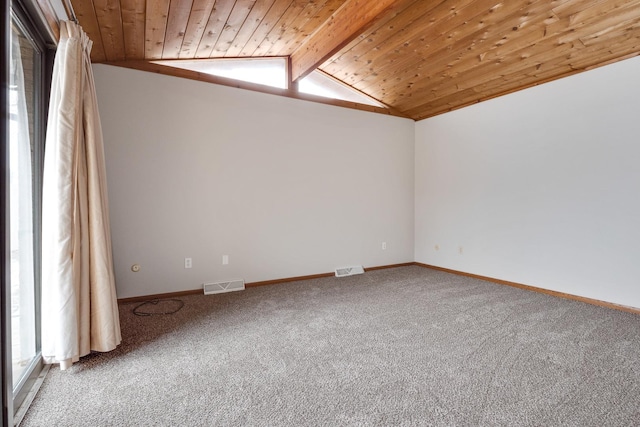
x: 79, y: 306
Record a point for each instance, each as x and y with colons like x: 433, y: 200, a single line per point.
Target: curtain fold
x: 79, y: 305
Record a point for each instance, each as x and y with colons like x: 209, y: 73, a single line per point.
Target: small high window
x: 272, y: 72
x: 265, y: 71
x: 321, y: 84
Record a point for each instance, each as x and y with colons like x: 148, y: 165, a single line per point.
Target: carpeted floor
x: 404, y: 346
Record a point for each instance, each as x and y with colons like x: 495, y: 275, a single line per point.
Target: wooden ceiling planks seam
x: 422, y: 57
x: 215, y: 25
x: 376, y: 43
x: 269, y: 21
x: 525, y: 77
x: 86, y: 15
x: 177, y: 20
x: 446, y: 63
x: 350, y: 20
x: 308, y: 25
x: 455, y: 56
x: 110, y: 21
x: 196, y: 25
x: 236, y: 19
x: 279, y: 30
x: 133, y: 27
x: 252, y: 22
x: 545, y: 50
x: 449, y: 45
x: 418, y: 46
x: 157, y: 12
x: 282, y: 46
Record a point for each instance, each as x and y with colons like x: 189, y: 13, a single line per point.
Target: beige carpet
x: 404, y: 346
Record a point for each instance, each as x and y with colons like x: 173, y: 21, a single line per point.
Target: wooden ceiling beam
x: 306, y: 26
x: 352, y: 19
x: 380, y: 40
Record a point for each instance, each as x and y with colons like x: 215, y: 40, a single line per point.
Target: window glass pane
x: 272, y: 72
x: 22, y: 90
x: 320, y: 84
x: 264, y: 71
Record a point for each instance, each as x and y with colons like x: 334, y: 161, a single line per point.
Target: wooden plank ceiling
x: 421, y: 58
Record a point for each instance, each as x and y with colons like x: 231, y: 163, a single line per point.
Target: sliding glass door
x: 23, y: 201
x: 25, y: 100
x: 5, y: 278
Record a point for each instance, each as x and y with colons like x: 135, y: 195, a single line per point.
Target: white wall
x: 284, y: 187
x: 540, y: 187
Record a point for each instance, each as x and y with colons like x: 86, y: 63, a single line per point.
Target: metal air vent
x: 220, y: 287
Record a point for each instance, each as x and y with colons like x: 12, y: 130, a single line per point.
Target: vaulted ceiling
x: 421, y: 58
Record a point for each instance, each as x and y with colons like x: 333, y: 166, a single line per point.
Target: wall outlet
x: 384, y: 246
x: 225, y: 259
x: 187, y: 263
